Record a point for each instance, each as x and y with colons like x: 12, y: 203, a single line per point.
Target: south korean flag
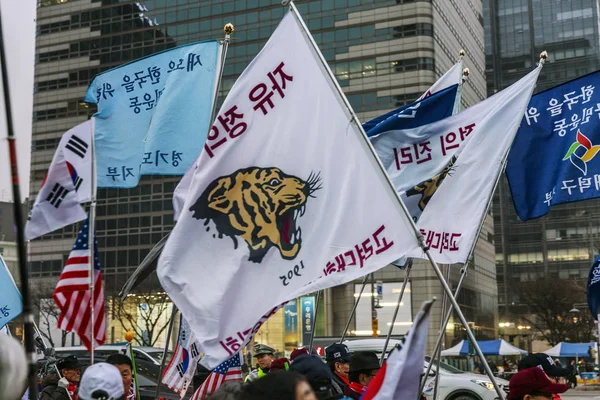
x: 66, y: 186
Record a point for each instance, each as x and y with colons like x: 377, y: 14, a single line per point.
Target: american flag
x: 72, y: 293
x: 230, y: 370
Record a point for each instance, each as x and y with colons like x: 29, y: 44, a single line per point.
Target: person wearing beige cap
x: 533, y: 384
x: 101, y: 381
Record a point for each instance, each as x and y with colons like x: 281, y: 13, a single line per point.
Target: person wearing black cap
x: 338, y: 359
x: 65, y: 386
x: 363, y: 368
x: 546, y: 363
x: 317, y: 374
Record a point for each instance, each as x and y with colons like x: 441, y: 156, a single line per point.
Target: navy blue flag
x: 553, y: 158
x: 593, y: 288
x: 431, y: 109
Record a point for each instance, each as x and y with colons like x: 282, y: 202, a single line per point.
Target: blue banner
x: 153, y: 114
x: 11, y: 302
x: 290, y: 324
x: 553, y: 158
x: 308, y: 318
x: 593, y: 288
x: 431, y: 109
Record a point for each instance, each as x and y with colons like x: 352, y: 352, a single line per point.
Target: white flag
x: 455, y: 210
x: 67, y: 184
x: 400, y: 376
x: 286, y: 200
x: 452, y: 77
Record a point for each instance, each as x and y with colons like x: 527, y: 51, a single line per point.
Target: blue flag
x: 11, y: 302
x: 553, y: 157
x: 431, y: 109
x: 153, y: 114
x: 593, y: 288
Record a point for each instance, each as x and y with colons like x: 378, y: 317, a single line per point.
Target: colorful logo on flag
x: 589, y: 152
x: 261, y: 205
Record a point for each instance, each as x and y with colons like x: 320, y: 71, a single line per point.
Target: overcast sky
x: 18, y: 26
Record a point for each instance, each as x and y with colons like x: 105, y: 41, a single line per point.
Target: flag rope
x: 400, y: 296
x: 165, y: 350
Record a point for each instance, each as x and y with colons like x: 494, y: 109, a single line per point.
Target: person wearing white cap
x: 13, y: 368
x: 101, y: 381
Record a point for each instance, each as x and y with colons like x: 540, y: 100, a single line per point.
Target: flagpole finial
x: 285, y: 2
x: 229, y: 28
x: 543, y: 56
x: 129, y: 336
x: 461, y: 53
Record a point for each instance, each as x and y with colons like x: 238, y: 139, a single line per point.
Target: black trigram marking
x: 180, y: 369
x: 57, y: 195
x: 77, y: 146
x: 77, y: 183
x: 194, y: 350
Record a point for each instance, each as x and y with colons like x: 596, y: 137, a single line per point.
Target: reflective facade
x: 516, y: 31
x: 385, y: 53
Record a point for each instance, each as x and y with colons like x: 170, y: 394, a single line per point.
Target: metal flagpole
x: 438, y: 355
x: 228, y: 29
x: 465, y: 268
x: 18, y: 217
x: 364, y: 283
x: 165, y: 350
x: 314, y: 327
x: 438, y: 344
x: 419, y: 237
x: 389, y: 335
x: 91, y: 243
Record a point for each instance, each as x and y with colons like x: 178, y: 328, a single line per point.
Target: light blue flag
x: 153, y: 114
x: 11, y: 302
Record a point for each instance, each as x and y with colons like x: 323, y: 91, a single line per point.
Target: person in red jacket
x: 533, y: 384
x: 363, y: 368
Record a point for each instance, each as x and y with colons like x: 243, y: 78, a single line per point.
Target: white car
x: 454, y: 384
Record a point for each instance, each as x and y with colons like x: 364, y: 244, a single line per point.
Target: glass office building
x: 559, y: 243
x: 384, y: 53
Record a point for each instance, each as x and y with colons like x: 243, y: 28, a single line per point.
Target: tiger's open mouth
x: 289, y: 234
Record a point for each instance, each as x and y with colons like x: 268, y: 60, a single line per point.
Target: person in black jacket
x: 338, y: 359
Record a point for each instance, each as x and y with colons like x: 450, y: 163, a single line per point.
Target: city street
x: 581, y: 395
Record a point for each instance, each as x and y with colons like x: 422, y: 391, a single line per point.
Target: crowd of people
x: 304, y: 376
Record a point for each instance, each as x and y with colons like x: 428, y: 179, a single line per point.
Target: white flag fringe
x: 286, y: 196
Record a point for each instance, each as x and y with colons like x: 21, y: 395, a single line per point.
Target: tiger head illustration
x: 428, y: 188
x: 261, y: 205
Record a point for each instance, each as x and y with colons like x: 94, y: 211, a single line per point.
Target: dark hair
x: 280, y: 385
x: 101, y: 394
x: 354, y: 376
x: 119, y: 359
x: 227, y: 391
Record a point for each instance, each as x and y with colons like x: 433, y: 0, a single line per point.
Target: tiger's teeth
x: 293, y: 239
x: 299, y: 233
x: 295, y: 214
x: 303, y: 210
